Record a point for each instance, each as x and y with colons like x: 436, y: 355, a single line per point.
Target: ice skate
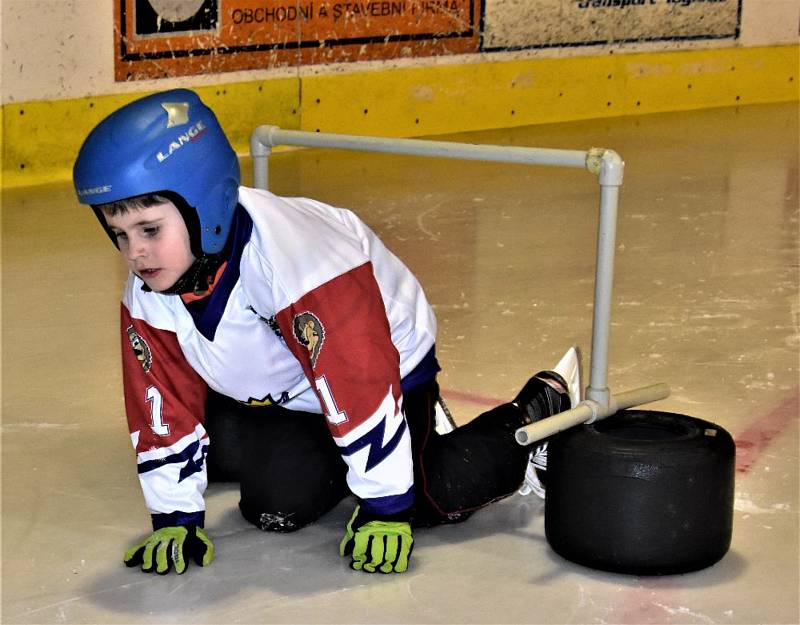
x: 564, y: 378
x: 442, y: 418
x: 569, y: 368
x: 536, y: 462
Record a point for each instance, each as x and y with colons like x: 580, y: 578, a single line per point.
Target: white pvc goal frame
x: 606, y: 164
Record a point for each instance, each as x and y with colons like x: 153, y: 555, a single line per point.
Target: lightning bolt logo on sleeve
x: 375, y: 438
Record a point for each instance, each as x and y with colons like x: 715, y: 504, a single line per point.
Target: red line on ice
x: 752, y: 443
x: 473, y: 398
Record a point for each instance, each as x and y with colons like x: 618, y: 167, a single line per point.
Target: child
x: 283, y: 338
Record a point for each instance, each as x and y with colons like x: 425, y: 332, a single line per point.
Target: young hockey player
x: 284, y: 339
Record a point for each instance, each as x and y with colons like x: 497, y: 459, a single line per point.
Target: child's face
x: 154, y: 242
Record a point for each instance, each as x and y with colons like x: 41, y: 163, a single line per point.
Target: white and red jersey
x: 312, y: 312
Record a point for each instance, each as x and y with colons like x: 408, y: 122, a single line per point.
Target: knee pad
x: 286, y: 505
x: 283, y: 522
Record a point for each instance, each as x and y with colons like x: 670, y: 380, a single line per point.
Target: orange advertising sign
x: 160, y: 38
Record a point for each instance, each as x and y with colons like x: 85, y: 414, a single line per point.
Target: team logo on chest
x: 309, y: 331
x: 141, y: 349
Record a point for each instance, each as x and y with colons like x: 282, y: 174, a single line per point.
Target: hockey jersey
x: 311, y: 312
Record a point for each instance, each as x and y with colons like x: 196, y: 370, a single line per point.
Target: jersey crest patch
x: 141, y: 349
x: 309, y: 331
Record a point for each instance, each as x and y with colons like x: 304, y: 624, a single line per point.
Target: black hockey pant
x: 291, y: 473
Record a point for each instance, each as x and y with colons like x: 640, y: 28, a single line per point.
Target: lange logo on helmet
x: 94, y: 190
x: 309, y: 331
x: 141, y: 349
x: 177, y: 113
x: 194, y: 132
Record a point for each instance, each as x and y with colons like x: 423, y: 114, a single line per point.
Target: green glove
x: 377, y: 543
x: 172, y: 546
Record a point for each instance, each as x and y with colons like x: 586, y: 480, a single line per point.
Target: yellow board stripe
x: 453, y: 98
x: 41, y: 139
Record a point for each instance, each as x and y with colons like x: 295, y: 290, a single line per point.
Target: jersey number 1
x: 153, y: 397
x: 332, y: 411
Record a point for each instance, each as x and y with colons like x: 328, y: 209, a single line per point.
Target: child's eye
x: 120, y: 235
x: 151, y: 231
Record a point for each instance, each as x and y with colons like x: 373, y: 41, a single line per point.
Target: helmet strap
x: 198, y: 278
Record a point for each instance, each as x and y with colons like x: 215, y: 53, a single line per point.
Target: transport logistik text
x: 621, y: 4
x: 339, y: 10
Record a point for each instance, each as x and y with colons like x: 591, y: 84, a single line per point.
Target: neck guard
x: 197, y: 278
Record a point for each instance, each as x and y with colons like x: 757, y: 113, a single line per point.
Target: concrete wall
x: 524, y: 62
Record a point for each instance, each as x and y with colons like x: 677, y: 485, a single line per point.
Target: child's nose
x: 136, y: 248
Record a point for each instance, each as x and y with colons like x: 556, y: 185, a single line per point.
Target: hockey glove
x: 171, y: 547
x: 377, y: 543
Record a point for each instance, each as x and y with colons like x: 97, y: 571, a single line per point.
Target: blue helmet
x: 168, y: 143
